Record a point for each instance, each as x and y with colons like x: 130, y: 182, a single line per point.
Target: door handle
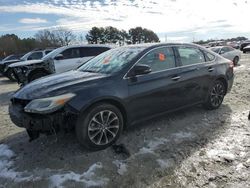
x: 210, y: 69
x: 175, y: 78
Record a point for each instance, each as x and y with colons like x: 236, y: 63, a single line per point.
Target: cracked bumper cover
x: 42, y: 123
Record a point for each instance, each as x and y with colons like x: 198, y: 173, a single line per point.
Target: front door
x: 69, y: 61
x: 157, y: 91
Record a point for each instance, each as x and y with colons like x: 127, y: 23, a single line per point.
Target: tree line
x: 12, y: 44
x: 100, y: 35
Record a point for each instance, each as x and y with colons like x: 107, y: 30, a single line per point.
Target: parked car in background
x: 246, y: 49
x: 228, y: 52
x: 60, y: 60
x: 35, y: 54
x: 122, y: 87
x: 13, y: 57
x: 244, y: 44
x: 9, y: 58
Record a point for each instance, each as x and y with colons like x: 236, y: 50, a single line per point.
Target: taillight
x: 231, y: 64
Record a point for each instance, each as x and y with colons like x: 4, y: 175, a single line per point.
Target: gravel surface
x: 189, y: 148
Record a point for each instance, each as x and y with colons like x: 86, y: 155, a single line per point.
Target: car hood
x: 10, y: 61
x: 58, y: 84
x: 24, y: 63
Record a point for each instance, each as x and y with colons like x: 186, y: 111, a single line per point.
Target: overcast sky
x: 174, y: 20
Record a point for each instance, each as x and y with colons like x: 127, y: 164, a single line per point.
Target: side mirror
x: 59, y: 57
x: 139, y: 69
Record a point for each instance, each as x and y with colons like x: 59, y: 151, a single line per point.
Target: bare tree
x: 54, y: 38
x: 64, y: 36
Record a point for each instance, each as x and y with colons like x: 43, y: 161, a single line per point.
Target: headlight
x: 48, y: 105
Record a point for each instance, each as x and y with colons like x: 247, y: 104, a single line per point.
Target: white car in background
x: 228, y: 52
x: 59, y: 60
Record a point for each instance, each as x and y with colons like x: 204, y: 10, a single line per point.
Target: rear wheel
x: 36, y: 75
x: 215, y: 96
x: 99, y: 127
x: 236, y: 60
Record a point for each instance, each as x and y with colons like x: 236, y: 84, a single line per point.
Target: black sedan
x: 122, y: 87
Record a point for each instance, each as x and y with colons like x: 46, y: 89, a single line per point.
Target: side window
x: 71, y: 53
x: 189, y: 55
x: 225, y: 50
x: 159, y: 59
x: 35, y: 55
x: 209, y: 57
x: 92, y: 51
x: 47, y: 51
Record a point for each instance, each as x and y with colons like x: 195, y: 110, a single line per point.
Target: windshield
x: 216, y: 50
x: 8, y: 58
x: 23, y: 58
x: 111, y: 61
x: 52, y: 54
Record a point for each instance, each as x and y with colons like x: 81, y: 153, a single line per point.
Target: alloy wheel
x: 103, y: 127
x: 217, y: 94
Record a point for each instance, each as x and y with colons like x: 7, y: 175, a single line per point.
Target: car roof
x: 86, y: 45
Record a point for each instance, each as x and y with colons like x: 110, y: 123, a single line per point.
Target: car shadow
x: 172, y: 137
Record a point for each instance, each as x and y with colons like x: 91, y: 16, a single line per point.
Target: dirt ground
x: 190, y: 148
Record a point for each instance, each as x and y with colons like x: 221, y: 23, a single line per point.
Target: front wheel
x: 99, y: 127
x: 215, y: 96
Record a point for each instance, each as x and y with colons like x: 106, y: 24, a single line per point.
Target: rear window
x: 190, y: 55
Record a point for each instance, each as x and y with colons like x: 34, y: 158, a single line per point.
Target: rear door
x: 69, y: 61
x: 157, y: 91
x: 195, y: 73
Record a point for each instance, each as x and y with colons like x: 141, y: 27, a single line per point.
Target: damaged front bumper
x: 63, y: 119
x: 21, y: 75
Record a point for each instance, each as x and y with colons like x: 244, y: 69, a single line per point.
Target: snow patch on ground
x: 240, y: 68
x: 89, y: 177
x: 153, y: 145
x: 122, y: 167
x: 6, y: 165
x: 164, y: 163
x: 183, y: 136
x: 219, y: 155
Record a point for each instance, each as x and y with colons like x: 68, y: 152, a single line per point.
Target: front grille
x: 20, y: 102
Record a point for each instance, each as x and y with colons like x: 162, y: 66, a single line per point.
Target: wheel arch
x: 113, y: 101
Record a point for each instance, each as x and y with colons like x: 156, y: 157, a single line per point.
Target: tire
x: 90, y: 123
x: 215, y: 96
x: 236, y: 60
x: 244, y: 52
x: 11, y: 75
x: 37, y: 75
